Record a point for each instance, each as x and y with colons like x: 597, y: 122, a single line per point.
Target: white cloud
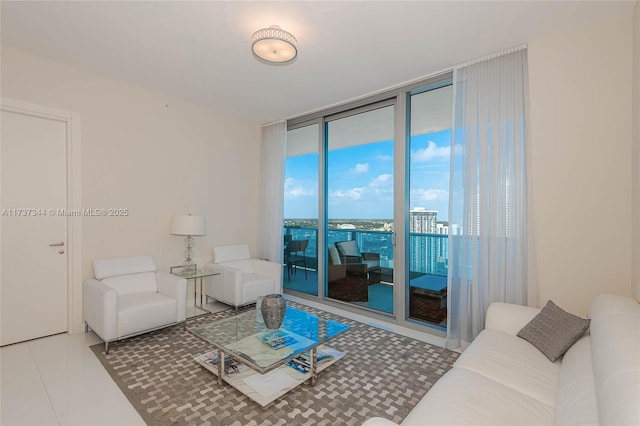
x: 353, y: 193
x: 360, y: 168
x: 382, y: 180
x: 431, y: 152
x: 422, y: 195
x: 380, y: 186
x: 295, y: 189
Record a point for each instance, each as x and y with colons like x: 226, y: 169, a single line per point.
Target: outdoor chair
x: 353, y: 287
x: 351, y: 256
x: 294, y: 253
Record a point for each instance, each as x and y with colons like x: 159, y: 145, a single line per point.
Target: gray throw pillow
x: 553, y: 331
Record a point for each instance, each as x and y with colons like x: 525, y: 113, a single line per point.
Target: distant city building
x: 423, y: 221
x: 442, y: 228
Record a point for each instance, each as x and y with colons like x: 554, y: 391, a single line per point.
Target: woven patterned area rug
x: 382, y: 374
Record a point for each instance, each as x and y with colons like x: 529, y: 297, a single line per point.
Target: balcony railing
x: 429, y: 253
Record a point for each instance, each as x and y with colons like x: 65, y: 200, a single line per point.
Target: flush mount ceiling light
x: 274, y: 45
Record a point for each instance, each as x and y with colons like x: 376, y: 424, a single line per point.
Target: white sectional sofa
x: 501, y: 379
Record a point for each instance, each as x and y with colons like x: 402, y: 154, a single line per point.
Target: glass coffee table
x: 265, y: 364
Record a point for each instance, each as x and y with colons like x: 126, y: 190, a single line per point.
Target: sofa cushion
x: 553, y: 331
x: 115, y: 266
x: 576, y: 402
x: 615, y: 349
x: 133, y: 283
x: 144, y: 311
x: 513, y: 362
x: 466, y: 397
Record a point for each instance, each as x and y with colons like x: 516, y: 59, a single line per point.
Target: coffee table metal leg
x: 312, y: 361
x: 220, y: 366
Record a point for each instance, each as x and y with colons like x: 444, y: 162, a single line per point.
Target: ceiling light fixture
x: 274, y: 45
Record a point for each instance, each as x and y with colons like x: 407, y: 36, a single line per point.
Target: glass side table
x: 198, y: 277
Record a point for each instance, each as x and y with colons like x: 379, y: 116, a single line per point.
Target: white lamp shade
x: 189, y: 225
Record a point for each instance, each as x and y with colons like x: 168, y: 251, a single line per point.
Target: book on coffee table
x: 277, y: 339
x: 210, y: 360
x: 324, y: 354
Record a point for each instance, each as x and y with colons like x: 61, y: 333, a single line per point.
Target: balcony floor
x: 380, y: 295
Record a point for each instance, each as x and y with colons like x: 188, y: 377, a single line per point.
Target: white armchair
x: 241, y: 279
x: 129, y: 297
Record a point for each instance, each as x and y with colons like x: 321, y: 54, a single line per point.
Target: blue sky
x: 360, y: 180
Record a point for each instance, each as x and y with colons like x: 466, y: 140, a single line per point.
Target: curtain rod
x: 406, y: 83
x: 492, y: 56
x: 274, y: 122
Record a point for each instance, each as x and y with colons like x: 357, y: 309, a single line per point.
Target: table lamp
x: 189, y: 226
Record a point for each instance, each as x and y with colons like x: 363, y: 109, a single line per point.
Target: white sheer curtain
x: 274, y: 144
x: 488, y: 251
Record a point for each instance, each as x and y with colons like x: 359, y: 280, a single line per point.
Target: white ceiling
x: 200, y: 50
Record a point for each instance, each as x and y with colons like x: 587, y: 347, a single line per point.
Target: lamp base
x: 188, y: 266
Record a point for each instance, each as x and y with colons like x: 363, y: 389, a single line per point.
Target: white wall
x: 580, y: 97
x: 154, y: 160
x: 636, y: 153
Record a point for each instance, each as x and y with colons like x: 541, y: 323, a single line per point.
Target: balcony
x: 428, y: 268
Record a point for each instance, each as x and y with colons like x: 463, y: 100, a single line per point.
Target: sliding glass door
x: 430, y: 148
x: 366, y: 205
x: 360, y: 206
x: 300, y: 236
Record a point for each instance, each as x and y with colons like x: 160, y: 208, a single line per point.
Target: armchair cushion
x: 145, y: 311
x: 116, y: 266
x: 144, y: 282
x: 223, y: 254
x: 349, y: 248
x: 255, y: 285
x: 246, y: 266
x: 350, y: 253
x: 334, y: 256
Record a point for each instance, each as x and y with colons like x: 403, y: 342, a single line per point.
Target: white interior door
x: 33, y: 286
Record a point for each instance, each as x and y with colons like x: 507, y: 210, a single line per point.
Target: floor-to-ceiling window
x: 428, y: 219
x: 354, y: 175
x: 360, y: 201
x: 300, y: 236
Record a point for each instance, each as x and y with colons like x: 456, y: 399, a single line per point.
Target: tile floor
x: 57, y: 380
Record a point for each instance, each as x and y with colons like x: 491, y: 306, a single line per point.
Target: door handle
x: 60, y: 244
